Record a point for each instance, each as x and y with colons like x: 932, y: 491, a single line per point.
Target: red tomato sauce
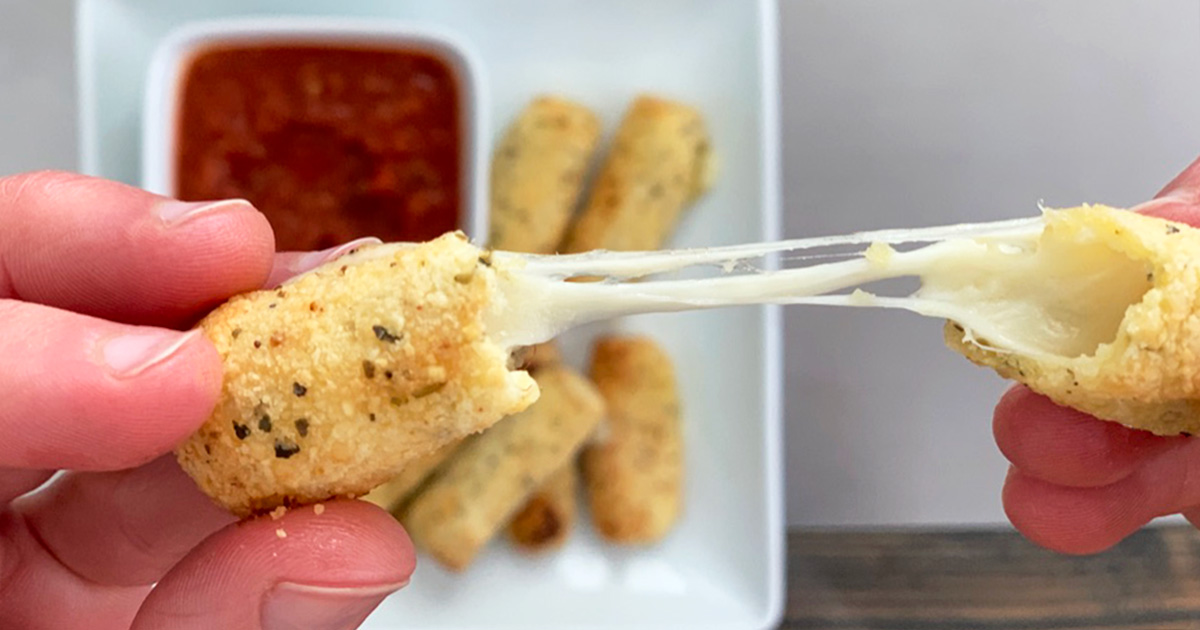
x: 331, y: 144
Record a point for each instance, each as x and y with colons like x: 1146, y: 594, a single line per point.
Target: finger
x: 123, y: 528
x: 288, y: 264
x: 1193, y: 517
x: 306, y: 570
x: 15, y: 482
x: 1179, y: 200
x: 113, y: 251
x: 1172, y: 209
x: 1185, y: 186
x: 1089, y: 520
x: 88, y: 394
x: 1071, y: 520
x: 38, y: 592
x: 1062, y: 446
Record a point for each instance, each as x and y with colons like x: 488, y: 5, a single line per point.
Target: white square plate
x: 723, y: 565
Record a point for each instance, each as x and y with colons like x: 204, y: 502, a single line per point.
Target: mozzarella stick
x: 490, y: 477
x: 659, y: 163
x: 538, y: 174
x: 547, y: 518
x: 634, y: 478
x: 340, y: 378
x: 391, y: 495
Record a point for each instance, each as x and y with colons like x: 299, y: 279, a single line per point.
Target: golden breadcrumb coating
x: 547, y: 518
x: 660, y: 162
x: 634, y: 478
x: 1148, y: 375
x: 538, y: 173
x: 340, y: 378
x: 490, y: 477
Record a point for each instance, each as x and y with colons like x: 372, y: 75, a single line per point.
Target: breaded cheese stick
x: 392, y: 494
x: 340, y: 378
x: 489, y: 478
x: 538, y: 174
x: 634, y: 478
x: 659, y: 163
x: 547, y: 518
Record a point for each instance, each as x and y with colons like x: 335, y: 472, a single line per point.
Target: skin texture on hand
x: 1078, y: 485
x: 96, y: 281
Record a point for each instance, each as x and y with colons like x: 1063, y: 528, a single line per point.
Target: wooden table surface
x: 990, y: 581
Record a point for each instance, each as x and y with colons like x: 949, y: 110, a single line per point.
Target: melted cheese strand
x: 536, y: 308
x: 638, y: 264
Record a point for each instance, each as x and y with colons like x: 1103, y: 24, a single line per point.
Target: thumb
x: 324, y: 571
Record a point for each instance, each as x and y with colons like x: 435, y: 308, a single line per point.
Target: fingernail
x: 312, y: 260
x: 129, y: 355
x: 291, y: 606
x: 177, y: 212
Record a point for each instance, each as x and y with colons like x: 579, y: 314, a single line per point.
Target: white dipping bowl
x: 173, y: 57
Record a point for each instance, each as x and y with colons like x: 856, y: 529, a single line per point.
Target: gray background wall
x: 903, y: 112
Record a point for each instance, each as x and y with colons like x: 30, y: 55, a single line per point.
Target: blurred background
x: 893, y: 114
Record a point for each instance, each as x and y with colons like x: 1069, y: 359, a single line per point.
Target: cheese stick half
x: 490, y: 477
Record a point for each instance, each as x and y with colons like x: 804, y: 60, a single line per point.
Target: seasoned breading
x: 337, y: 380
x: 547, y: 518
x: 538, y: 174
x: 488, y: 479
x: 634, y: 477
x: 660, y: 161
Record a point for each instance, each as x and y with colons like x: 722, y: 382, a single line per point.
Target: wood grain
x: 990, y: 580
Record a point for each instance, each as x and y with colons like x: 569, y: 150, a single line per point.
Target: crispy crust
x: 538, y: 173
x: 547, y: 518
x: 634, y: 478
x: 1148, y: 376
x: 492, y: 475
x: 659, y: 163
x: 339, y: 379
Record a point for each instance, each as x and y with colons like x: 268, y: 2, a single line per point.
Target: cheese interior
x: 1009, y: 285
x: 1053, y: 299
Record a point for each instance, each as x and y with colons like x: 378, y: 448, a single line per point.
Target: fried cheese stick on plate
x: 546, y: 519
x: 538, y: 174
x: 491, y: 477
x: 659, y: 163
x: 634, y: 476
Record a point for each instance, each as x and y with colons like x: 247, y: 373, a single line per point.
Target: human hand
x: 94, y: 278
x: 1078, y: 485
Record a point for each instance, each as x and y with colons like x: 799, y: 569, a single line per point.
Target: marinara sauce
x: 331, y: 144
